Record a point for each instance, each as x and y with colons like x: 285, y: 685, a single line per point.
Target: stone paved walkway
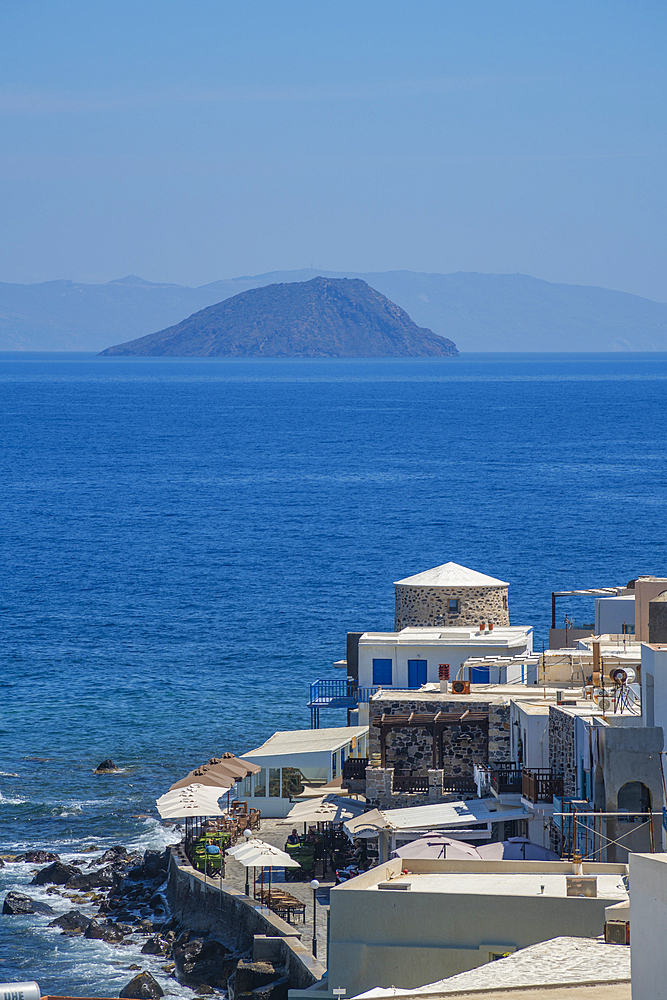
x: 235, y: 875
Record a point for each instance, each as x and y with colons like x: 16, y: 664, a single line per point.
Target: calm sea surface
x: 186, y: 542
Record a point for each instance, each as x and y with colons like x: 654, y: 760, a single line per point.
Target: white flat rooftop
x: 307, y: 741
x: 501, y: 635
x: 498, y: 694
x: 549, y: 963
x: 450, y: 574
x: 502, y: 884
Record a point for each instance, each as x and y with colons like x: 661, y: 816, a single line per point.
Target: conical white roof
x: 450, y: 574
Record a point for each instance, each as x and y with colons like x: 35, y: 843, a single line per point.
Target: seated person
x: 293, y: 838
x: 312, y: 837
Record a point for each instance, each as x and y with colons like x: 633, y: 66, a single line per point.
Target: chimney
x: 490, y: 626
x: 443, y: 677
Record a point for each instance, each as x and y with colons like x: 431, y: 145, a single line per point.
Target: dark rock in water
x: 117, y: 853
x: 95, y: 931
x: 204, y: 990
x: 16, y: 904
x: 277, y: 990
x: 154, y: 946
x: 37, y: 857
x: 250, y: 976
x: 91, y: 880
x: 56, y: 874
x: 106, y: 767
x: 73, y: 920
x: 142, y: 987
x: 202, y: 960
x: 2, y: 863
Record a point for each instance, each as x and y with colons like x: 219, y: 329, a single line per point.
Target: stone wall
x: 234, y: 919
x: 410, y: 748
x: 561, y: 749
x: 424, y: 606
x: 381, y: 795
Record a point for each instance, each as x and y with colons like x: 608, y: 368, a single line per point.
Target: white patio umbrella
x: 193, y: 800
x: 327, y: 809
x: 437, y: 846
x: 258, y: 854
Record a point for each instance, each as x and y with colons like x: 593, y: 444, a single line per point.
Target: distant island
x: 320, y: 318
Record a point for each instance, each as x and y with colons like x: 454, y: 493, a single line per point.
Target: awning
x: 367, y: 825
x: 194, y: 800
x: 439, y: 816
x: 328, y: 809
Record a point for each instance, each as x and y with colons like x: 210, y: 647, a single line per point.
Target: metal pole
x: 247, y: 835
x: 314, y: 886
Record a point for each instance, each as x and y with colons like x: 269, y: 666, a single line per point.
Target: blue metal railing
x: 336, y: 692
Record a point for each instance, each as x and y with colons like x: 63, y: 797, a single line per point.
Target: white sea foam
x: 154, y: 836
x: 12, y: 800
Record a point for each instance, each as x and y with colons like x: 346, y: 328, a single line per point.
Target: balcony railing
x: 459, y: 783
x: 338, y: 692
x: 540, y: 785
x: 411, y: 783
x: 354, y: 768
x: 506, y: 779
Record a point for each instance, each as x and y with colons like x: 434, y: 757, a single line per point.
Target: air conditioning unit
x: 460, y: 687
x: 605, y: 704
x: 617, y: 932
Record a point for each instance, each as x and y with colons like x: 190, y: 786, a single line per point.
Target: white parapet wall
x: 648, y: 920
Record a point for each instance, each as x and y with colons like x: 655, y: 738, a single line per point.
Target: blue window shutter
x: 382, y: 672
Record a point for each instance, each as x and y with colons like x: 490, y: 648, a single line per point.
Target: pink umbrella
x: 437, y: 846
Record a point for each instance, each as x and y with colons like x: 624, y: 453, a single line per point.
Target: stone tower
x: 450, y: 595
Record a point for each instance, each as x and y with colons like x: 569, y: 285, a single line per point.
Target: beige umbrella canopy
x: 193, y: 801
x: 219, y: 771
x: 327, y: 809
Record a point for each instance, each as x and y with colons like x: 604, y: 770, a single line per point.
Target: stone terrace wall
x: 410, y: 748
x: 233, y: 919
x: 424, y: 606
x: 380, y: 794
x: 561, y: 748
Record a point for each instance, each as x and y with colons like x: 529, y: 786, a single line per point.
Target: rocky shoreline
x: 128, y: 891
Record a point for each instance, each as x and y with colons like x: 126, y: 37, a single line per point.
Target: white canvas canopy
x: 258, y: 854
x: 191, y: 801
x: 327, y: 809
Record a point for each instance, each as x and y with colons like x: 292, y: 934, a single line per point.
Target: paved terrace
x: 274, y: 834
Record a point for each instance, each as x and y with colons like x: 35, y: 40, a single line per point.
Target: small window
x: 382, y: 672
x: 260, y: 784
x: 274, y: 782
x: 292, y: 784
x: 453, y: 605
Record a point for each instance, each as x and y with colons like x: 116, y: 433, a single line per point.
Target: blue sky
x: 191, y: 141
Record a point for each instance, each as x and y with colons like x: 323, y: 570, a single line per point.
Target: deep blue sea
x: 185, y: 543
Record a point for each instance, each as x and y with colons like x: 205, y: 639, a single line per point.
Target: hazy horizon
x: 185, y: 143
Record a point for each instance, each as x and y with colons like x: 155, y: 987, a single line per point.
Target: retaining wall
x: 234, y: 919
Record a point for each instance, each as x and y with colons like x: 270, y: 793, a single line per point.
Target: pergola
x: 436, y: 724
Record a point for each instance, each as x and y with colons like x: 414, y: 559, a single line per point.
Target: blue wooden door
x: 416, y: 673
